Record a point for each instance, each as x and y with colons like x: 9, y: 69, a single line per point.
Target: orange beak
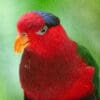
x: 21, y: 42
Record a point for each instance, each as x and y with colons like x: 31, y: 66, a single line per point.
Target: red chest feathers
x: 40, y: 73
x: 48, y: 77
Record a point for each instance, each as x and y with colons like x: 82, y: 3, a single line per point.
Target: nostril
x: 24, y: 34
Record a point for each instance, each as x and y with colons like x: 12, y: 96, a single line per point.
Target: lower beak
x: 21, y: 42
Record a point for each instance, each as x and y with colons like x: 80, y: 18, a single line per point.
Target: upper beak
x: 21, y: 42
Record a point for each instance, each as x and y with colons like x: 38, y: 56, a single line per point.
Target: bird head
x: 37, y: 30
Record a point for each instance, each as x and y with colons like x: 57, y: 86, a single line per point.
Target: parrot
x: 53, y: 66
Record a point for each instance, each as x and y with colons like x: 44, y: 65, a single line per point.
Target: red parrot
x: 53, y: 67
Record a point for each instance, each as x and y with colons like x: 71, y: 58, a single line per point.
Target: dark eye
x: 42, y: 30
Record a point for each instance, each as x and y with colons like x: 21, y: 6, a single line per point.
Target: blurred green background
x: 81, y: 19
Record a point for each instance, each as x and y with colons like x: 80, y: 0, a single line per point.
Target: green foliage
x: 81, y: 19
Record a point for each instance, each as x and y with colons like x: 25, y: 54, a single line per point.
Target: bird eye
x: 43, y: 30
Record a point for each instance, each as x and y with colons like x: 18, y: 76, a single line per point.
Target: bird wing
x: 85, y: 54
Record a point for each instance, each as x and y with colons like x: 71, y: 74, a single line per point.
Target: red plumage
x: 30, y: 22
x: 50, y: 68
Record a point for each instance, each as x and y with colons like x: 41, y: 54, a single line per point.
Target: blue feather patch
x: 49, y: 18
